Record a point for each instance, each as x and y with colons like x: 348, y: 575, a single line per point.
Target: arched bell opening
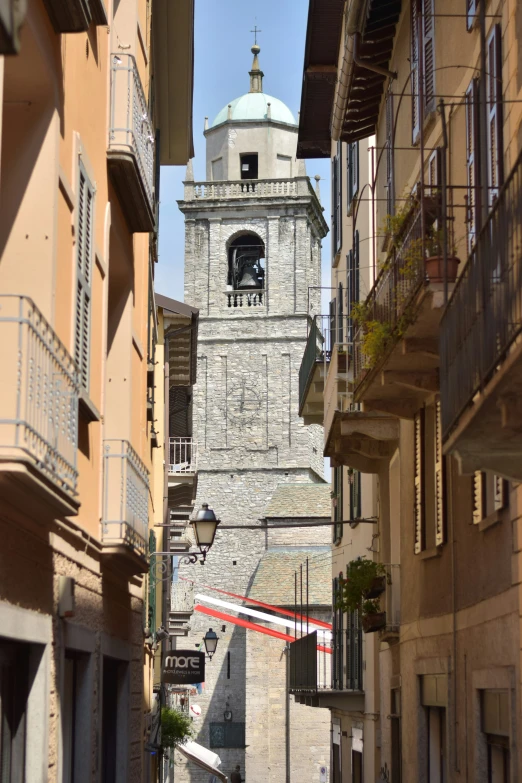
x: 246, y: 264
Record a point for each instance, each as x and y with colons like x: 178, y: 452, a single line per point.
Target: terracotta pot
x: 435, y: 268
x: 373, y: 622
x: 378, y: 587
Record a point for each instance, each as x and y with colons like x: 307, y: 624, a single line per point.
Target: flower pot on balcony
x: 435, y: 268
x: 377, y: 588
x: 373, y: 622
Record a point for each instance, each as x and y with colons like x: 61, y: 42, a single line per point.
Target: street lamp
x: 204, y: 526
x: 210, y: 639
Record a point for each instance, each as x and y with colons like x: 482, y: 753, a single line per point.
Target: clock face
x: 244, y: 403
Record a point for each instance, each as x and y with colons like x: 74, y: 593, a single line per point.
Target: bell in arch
x: 249, y: 277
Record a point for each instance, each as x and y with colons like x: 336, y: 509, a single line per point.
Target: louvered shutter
x: 84, y: 255
x: 335, y: 649
x: 340, y: 314
x: 440, y: 536
x: 349, y: 651
x: 339, y: 199
x: 419, y: 482
x: 479, y: 485
x: 334, y: 210
x: 415, y: 48
x: 355, y: 495
x: 350, y: 292
x: 428, y: 43
x: 355, y: 169
x: 390, y: 194
x: 332, y: 329
x: 356, y: 265
x: 500, y: 492
x: 494, y: 112
x: 472, y: 162
x: 357, y: 653
x: 471, y: 10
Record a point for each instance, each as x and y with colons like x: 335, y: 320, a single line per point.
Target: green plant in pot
x: 434, y: 261
x: 365, y: 580
x: 176, y: 727
x: 375, y: 334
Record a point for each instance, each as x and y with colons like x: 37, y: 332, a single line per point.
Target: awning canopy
x: 203, y: 757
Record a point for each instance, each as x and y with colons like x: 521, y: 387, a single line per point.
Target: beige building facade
x: 432, y: 90
x: 83, y: 102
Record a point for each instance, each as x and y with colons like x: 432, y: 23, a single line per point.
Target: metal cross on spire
x: 256, y: 30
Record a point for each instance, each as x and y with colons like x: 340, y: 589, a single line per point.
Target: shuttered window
x: 352, y: 283
x: 489, y: 494
x: 471, y: 12
x: 355, y: 495
x: 338, y: 504
x: 337, y: 637
x: 434, y: 171
x: 419, y: 482
x: 422, y: 41
x: 354, y: 666
x: 340, y: 314
x: 352, y: 172
x: 440, y: 533
x: 332, y: 327
x: 337, y: 186
x: 84, y: 259
x: 390, y: 162
x: 494, y: 113
x: 429, y: 478
x: 472, y: 159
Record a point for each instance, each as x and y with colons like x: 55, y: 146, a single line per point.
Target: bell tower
x: 253, y: 234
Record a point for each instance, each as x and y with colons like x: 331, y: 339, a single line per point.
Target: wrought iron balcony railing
x: 131, y: 143
x: 484, y: 316
x: 125, y: 497
x: 39, y: 395
x: 248, y: 188
x: 183, y: 456
x: 326, y: 332
x: 347, y: 653
x: 310, y: 663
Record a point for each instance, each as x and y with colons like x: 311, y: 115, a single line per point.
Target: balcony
x: 312, y: 677
x: 76, y: 16
x: 481, y: 346
x: 396, y: 353
x: 322, y: 336
x: 183, y: 459
x: 39, y: 413
x: 245, y: 299
x: 125, y: 518
x: 248, y: 189
x: 181, y: 608
x: 130, y: 154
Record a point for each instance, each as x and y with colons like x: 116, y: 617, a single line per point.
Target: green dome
x: 252, y: 106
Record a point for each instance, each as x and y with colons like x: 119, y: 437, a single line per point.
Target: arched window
x: 246, y: 263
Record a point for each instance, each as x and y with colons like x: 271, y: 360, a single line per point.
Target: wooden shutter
x: 356, y: 265
x: 340, y: 314
x: 472, y: 159
x: 415, y: 48
x: 479, y: 505
x: 335, y: 651
x: 355, y: 495
x: 84, y: 254
x: 499, y: 492
x: 390, y: 193
x: 334, y: 210
x: 333, y: 328
x: 419, y: 481
x: 428, y: 44
x: 349, y: 295
x: 440, y: 536
x: 494, y: 113
x: 339, y: 199
x: 471, y: 11
x: 355, y: 169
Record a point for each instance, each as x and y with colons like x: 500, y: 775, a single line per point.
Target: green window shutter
x: 84, y: 259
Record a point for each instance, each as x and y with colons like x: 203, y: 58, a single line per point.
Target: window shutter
x: 439, y: 481
x: 472, y: 162
x: 350, y: 292
x: 356, y: 265
x: 355, y: 495
x: 415, y: 103
x: 500, y: 492
x: 333, y: 327
x: 479, y: 485
x: 340, y: 314
x: 335, y: 649
x: 355, y: 169
x: 349, y: 178
x: 434, y: 170
x: 419, y: 483
x: 84, y: 252
x: 471, y: 11
x: 334, y: 207
x: 390, y: 194
x: 339, y: 200
x: 494, y: 111
x: 349, y: 651
x: 428, y: 43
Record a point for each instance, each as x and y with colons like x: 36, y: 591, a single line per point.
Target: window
x: 434, y: 698
x: 471, y: 12
x: 14, y: 692
x: 337, y: 638
x: 494, y: 133
x: 340, y: 314
x: 472, y: 160
x: 248, y: 166
x: 490, y: 494
x: 396, y: 736
x: 357, y: 766
x: 495, y: 725
x: 227, y: 735
x: 337, y: 185
x: 422, y: 43
x: 390, y: 157
x: 336, y: 751
x: 75, y: 710
x: 355, y: 495
x: 352, y: 172
x: 429, y: 479
x: 352, y: 283
x: 338, y: 503
x: 434, y: 171
x: 113, y: 728
x: 84, y: 256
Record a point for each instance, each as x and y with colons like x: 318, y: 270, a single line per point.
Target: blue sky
x: 221, y: 64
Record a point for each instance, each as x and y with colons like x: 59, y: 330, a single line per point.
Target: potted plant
x: 176, y: 727
x: 363, y: 579
x: 434, y: 261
